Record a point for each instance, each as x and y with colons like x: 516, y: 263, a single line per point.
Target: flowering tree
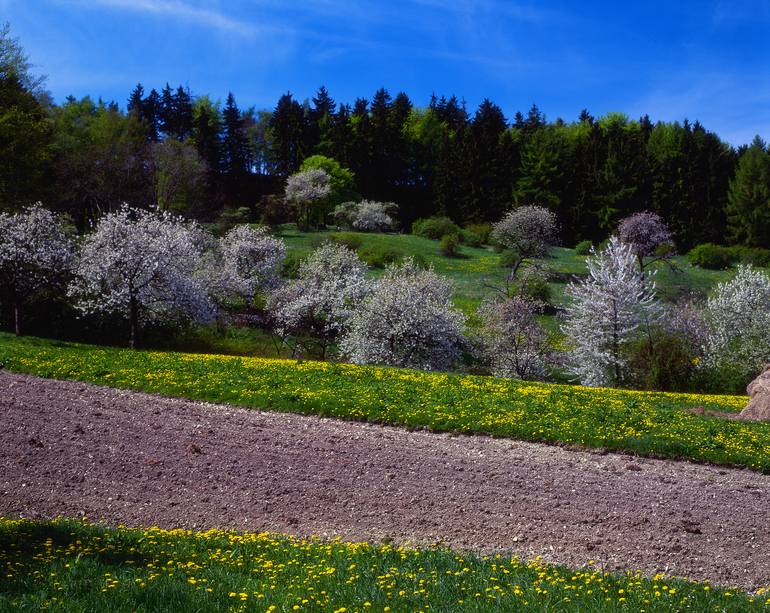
x: 244, y: 261
x: 306, y: 191
x: 512, y: 342
x: 648, y: 236
x: 737, y: 317
x: 407, y: 320
x: 141, y: 265
x: 367, y: 215
x: 35, y: 252
x: 315, y: 307
x: 609, y: 310
x: 528, y: 230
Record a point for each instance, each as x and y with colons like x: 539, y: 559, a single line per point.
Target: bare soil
x: 68, y: 448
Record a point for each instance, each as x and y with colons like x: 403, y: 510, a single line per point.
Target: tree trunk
x: 17, y: 317
x: 133, y: 320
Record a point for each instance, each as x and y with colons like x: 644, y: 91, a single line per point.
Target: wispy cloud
x: 182, y: 10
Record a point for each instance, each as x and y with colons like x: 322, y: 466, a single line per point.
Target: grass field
x: 77, y: 567
x: 646, y: 423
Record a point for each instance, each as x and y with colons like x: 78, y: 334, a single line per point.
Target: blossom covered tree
x: 243, y: 262
x: 737, y: 317
x: 529, y: 231
x: 511, y: 340
x: 141, y: 265
x: 306, y: 191
x: 407, y: 320
x: 35, y: 253
x: 648, y: 236
x: 314, y: 308
x: 608, y: 310
x: 367, y: 215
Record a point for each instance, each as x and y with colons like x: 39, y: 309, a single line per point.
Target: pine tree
x: 235, y: 147
x: 183, y: 113
x: 151, y: 111
x: 136, y: 102
x: 288, y: 130
x: 748, y: 208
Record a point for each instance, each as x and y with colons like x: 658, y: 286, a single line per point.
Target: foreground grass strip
x: 646, y: 423
x: 73, y: 566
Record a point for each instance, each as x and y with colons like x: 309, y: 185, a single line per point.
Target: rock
x: 759, y: 393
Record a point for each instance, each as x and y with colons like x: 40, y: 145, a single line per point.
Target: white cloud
x: 181, y: 10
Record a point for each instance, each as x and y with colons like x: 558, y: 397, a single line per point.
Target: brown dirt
x: 70, y: 448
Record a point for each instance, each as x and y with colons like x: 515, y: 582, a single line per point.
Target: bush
x: 290, y: 266
x: 583, y: 248
x: 379, y: 256
x: 435, y: 227
x: 755, y: 256
x: 471, y: 239
x: 534, y: 285
x: 713, y: 257
x: 450, y: 245
x: 667, y: 365
x: 482, y: 230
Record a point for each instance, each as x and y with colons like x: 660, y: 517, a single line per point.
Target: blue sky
x: 707, y: 60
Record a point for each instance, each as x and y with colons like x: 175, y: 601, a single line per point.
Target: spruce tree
x: 748, y: 199
x: 288, y: 130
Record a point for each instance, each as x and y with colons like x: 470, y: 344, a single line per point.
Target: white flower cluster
x: 141, y: 265
x: 367, y: 215
x: 607, y: 312
x: 35, y: 252
x: 330, y: 284
x: 528, y: 230
x: 738, y: 321
x: 407, y: 320
x: 308, y: 186
x: 243, y: 262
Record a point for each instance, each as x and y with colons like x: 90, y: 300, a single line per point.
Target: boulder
x: 759, y: 393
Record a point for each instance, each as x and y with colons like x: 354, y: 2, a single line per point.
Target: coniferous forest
x: 203, y: 158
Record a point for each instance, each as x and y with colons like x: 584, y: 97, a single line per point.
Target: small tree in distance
x: 648, y: 236
x: 529, y: 231
x: 35, y: 252
x: 141, y: 265
x: 608, y: 311
x: 512, y: 342
x: 306, y: 191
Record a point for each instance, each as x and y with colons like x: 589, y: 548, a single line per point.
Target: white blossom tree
x: 407, y: 320
x: 511, y: 340
x: 141, y: 265
x: 314, y: 308
x: 529, y: 231
x: 35, y: 252
x: 608, y: 310
x: 367, y: 215
x: 306, y: 191
x: 243, y: 262
x: 737, y: 319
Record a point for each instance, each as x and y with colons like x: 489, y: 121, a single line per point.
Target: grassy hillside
x: 477, y: 270
x: 647, y: 423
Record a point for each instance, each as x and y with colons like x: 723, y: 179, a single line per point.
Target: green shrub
x: 713, y: 257
x: 379, y: 256
x: 316, y: 240
x: 435, y: 227
x: 290, y: 266
x: 482, y: 230
x: 667, y: 364
x: 583, y: 248
x: 536, y: 287
x: 450, y: 245
x: 755, y: 256
x: 470, y: 238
